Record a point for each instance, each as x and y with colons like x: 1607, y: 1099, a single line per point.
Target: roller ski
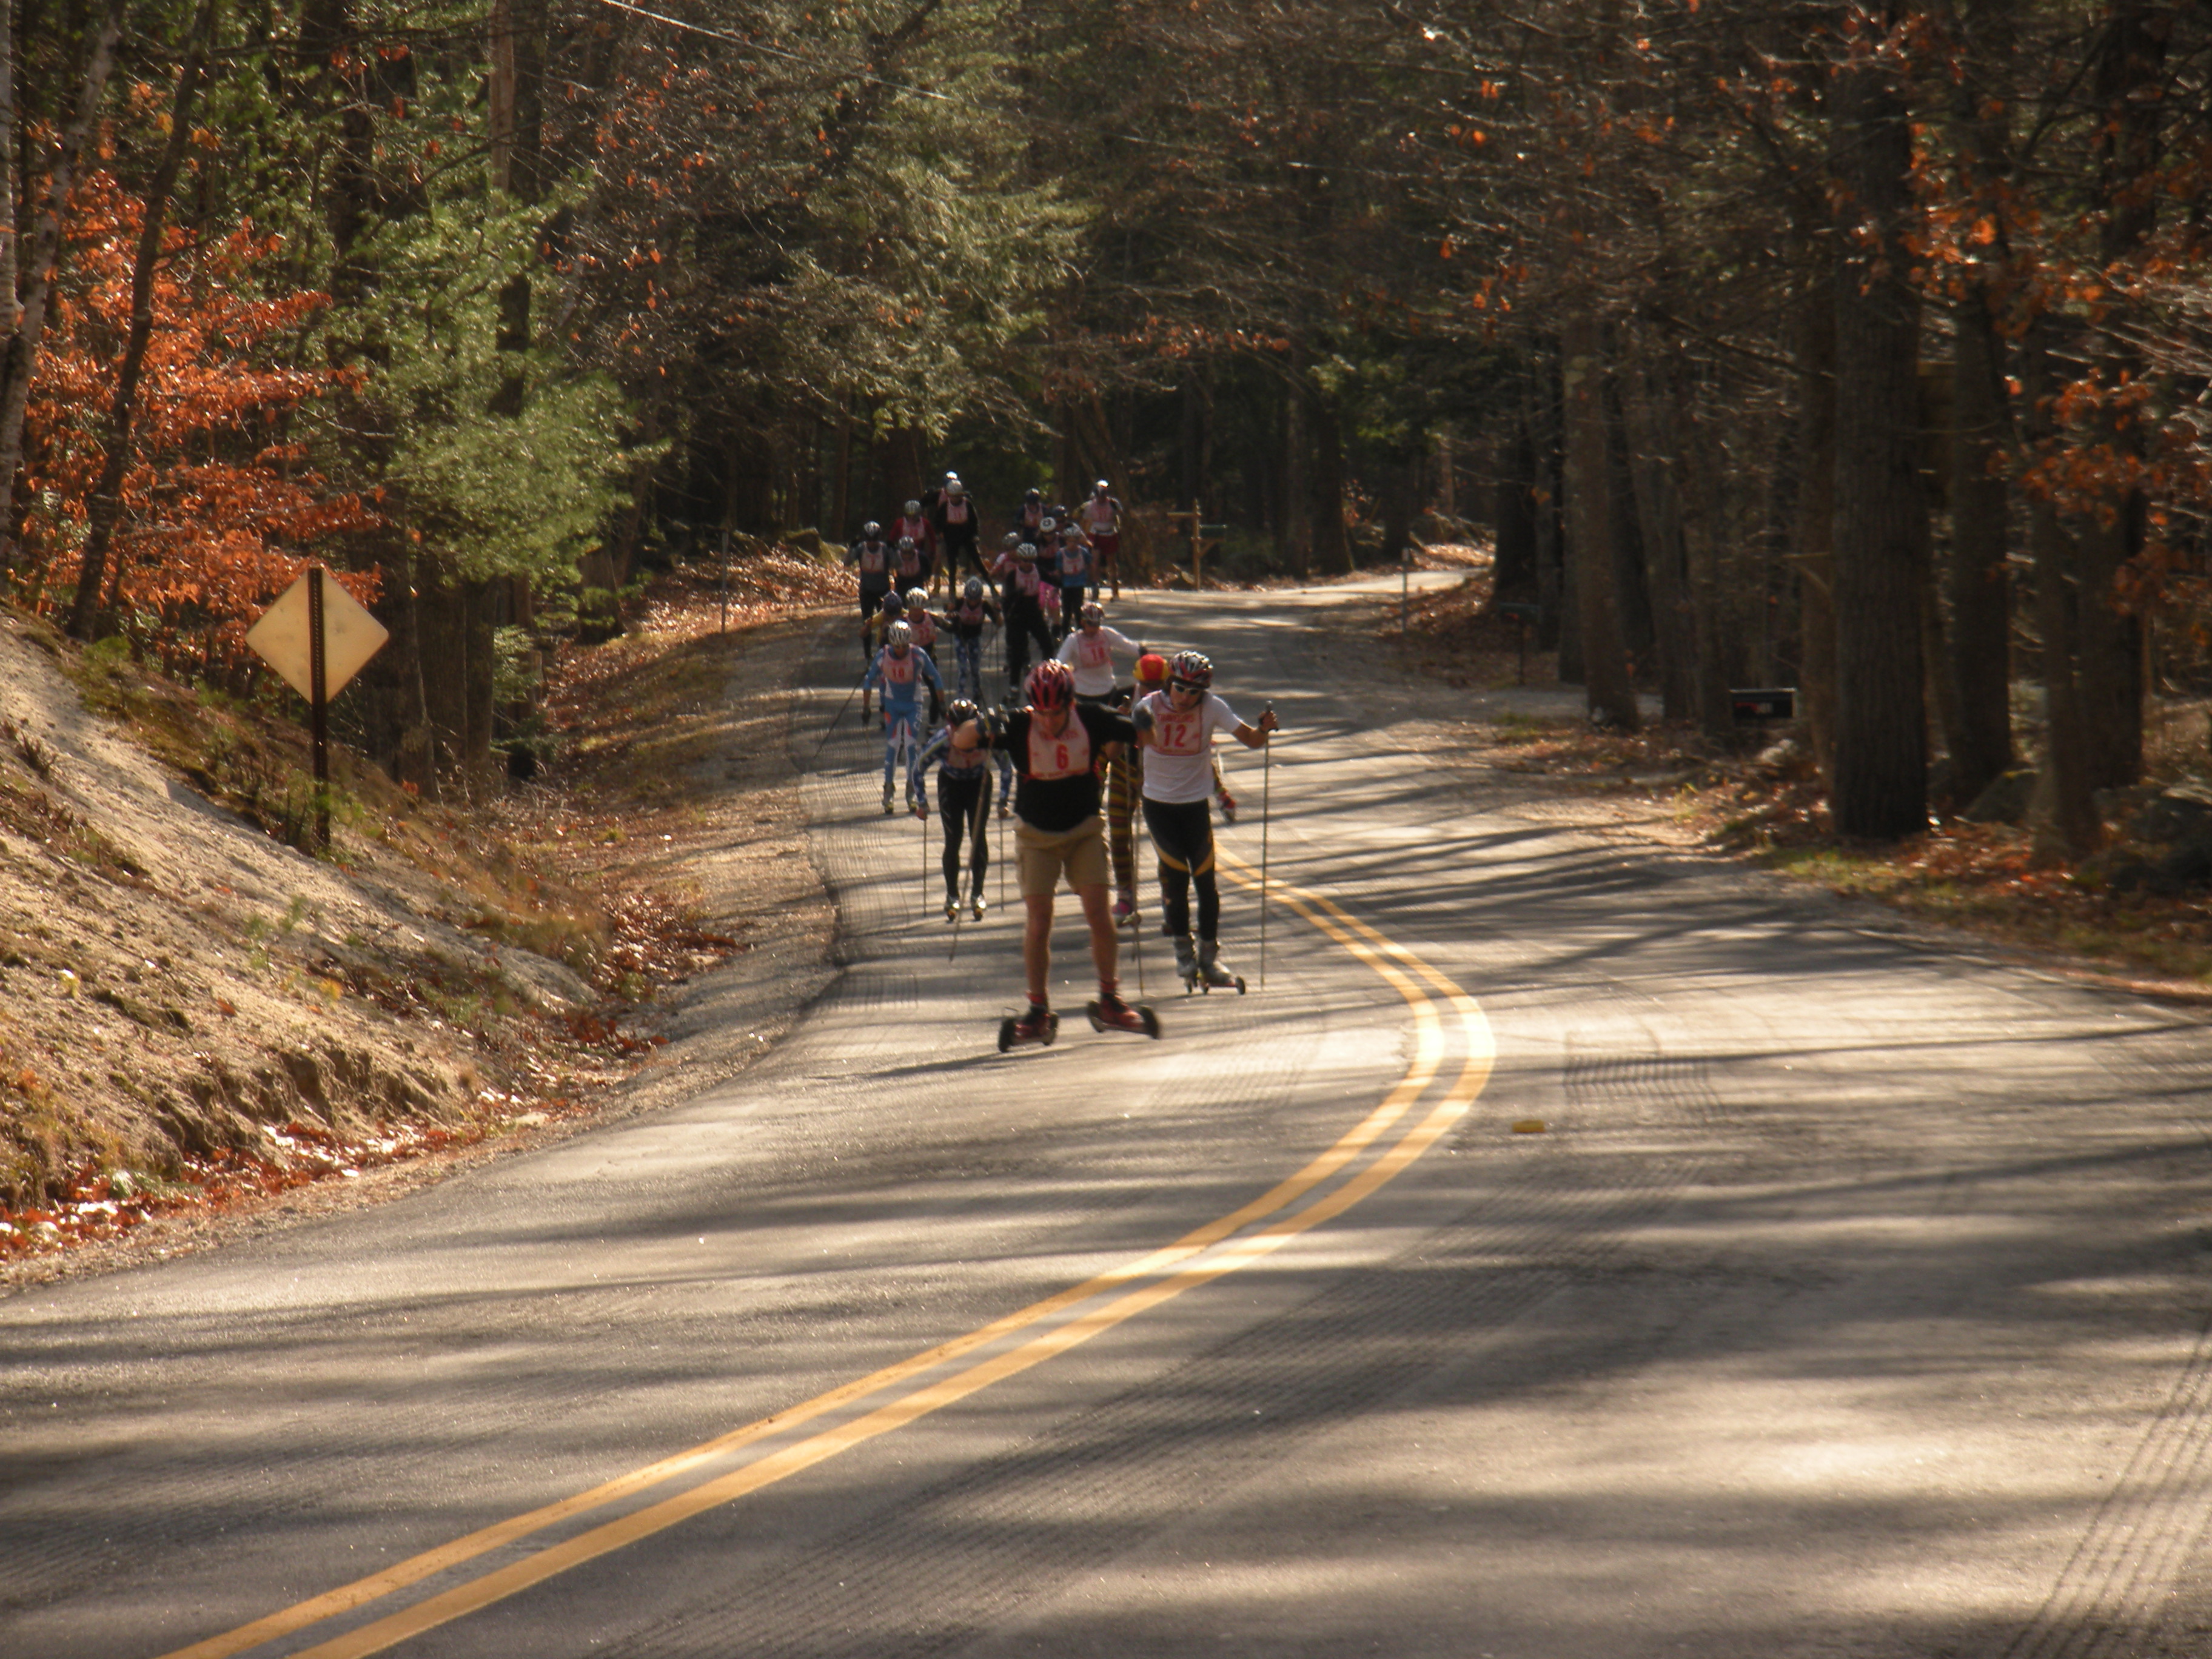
x: 952, y: 909
x: 1110, y: 1013
x: 976, y: 905
x: 1034, y: 1029
x: 1200, y: 968
x: 1211, y: 975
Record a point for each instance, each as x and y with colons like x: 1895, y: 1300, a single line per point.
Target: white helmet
x: 899, y: 636
x: 872, y: 528
x: 916, y: 599
x: 1100, y: 488
x: 913, y: 508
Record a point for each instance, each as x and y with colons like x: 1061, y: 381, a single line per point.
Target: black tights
x: 964, y: 804
x: 1182, y: 831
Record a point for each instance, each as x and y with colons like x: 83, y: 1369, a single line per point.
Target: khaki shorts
x: 1040, y: 858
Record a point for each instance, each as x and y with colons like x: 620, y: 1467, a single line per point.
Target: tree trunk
x: 1880, y: 509
x: 1977, y: 590
x: 1978, y: 595
x: 1816, y: 509
x: 1513, y: 573
x: 1638, y: 628
x: 2129, y: 68
x: 1608, y: 693
x: 1332, y: 551
x: 2065, y: 826
x: 1559, y: 631
x: 1659, y: 509
x: 106, y: 508
x: 19, y: 362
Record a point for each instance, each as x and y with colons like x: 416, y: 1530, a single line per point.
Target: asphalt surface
x: 1854, y: 1300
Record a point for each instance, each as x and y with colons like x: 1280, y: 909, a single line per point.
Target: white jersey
x: 1179, y: 760
x: 1091, y: 656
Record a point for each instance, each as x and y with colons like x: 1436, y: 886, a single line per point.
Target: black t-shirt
x: 1056, y: 779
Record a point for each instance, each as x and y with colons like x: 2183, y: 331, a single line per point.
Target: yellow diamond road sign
x: 351, y: 636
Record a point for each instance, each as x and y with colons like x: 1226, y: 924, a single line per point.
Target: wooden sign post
x: 316, y: 636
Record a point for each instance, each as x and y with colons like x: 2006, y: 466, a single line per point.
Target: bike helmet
x: 872, y: 528
x: 905, y: 542
x: 1046, y: 523
x: 1011, y: 540
x: 1092, y: 615
x: 894, y: 603
x: 913, y: 508
x: 898, y: 637
x: 972, y: 589
x: 1151, y: 668
x: 960, y: 711
x: 1100, y: 488
x: 1033, y: 496
x: 1051, y: 684
x: 1026, y: 552
x: 1068, y: 532
x: 1192, y: 669
x: 916, y: 599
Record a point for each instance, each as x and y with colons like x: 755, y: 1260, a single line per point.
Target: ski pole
x: 1267, y: 769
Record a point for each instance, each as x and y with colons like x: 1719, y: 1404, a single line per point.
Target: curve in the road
x: 1200, y: 1257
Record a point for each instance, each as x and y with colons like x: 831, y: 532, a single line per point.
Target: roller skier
x: 902, y: 669
x: 1175, y: 728
x: 1056, y: 745
x: 964, y: 752
x: 871, y: 557
x: 1021, y: 592
x: 965, y: 619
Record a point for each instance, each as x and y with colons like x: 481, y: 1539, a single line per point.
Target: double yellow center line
x: 1172, y: 1271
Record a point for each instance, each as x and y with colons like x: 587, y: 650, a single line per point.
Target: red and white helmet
x: 1191, y: 668
x: 1051, y: 684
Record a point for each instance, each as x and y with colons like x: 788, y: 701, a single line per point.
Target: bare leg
x: 1105, y: 946
x: 1036, y: 942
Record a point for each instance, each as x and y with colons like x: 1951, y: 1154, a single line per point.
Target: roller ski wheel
x: 1135, y: 1018
x: 1027, y: 1033
x: 1212, y: 975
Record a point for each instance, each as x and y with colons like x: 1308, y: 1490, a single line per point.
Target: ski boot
x: 1036, y: 1029
x: 1186, y: 963
x: 1110, y: 1013
x: 1211, y: 973
x: 951, y: 908
x: 887, y: 801
x: 977, y: 906
x: 1228, y: 807
x: 1125, y: 909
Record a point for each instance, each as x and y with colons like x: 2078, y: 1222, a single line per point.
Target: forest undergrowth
x: 201, y: 1022
x: 1761, y: 802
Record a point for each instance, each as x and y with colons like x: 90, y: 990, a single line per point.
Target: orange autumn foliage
x: 220, y: 511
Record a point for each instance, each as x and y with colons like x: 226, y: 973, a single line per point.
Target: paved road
x: 1854, y: 1301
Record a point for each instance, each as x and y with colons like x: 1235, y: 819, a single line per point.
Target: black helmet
x: 972, y: 589
x: 872, y: 528
x: 960, y: 710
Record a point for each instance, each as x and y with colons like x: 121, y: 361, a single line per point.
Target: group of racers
x: 1078, y: 754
